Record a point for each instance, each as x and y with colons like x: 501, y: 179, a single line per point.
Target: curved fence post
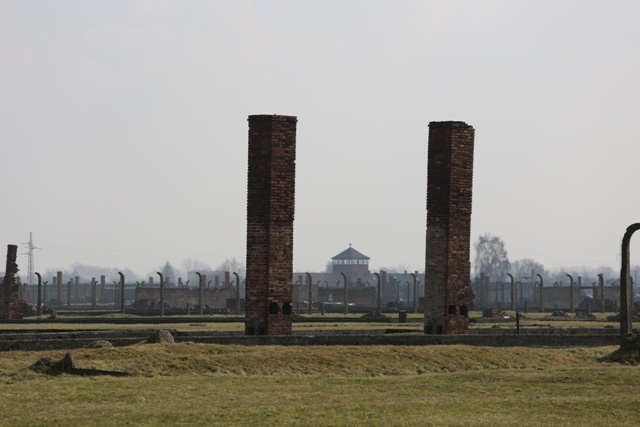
x: 379, y: 309
x: 415, y: 292
x: 199, y: 292
x: 346, y: 294
x: 237, y: 293
x: 93, y: 283
x: 121, y: 292
x: 570, y: 292
x: 39, y: 308
x: 161, y: 293
x: 626, y: 291
x: 513, y: 291
x: 310, y: 294
x: 601, y: 290
x: 541, y: 293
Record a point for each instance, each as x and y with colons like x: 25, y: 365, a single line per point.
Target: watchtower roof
x: 350, y: 253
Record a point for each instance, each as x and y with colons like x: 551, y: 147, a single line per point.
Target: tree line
x: 170, y: 272
x: 492, y: 260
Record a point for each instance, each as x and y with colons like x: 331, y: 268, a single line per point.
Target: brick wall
x: 449, y: 190
x: 270, y: 213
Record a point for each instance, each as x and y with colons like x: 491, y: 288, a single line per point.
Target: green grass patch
x: 527, y: 398
x: 415, y: 324
x: 197, y: 384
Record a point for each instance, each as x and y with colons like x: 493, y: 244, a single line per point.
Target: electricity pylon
x: 29, y: 253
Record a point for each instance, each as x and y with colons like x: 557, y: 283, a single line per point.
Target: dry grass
x: 199, y: 384
x: 345, y: 361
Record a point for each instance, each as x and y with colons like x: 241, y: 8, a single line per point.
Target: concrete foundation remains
x: 121, y: 337
x: 449, y: 191
x: 270, y: 214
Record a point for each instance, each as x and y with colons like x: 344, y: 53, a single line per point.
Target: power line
x: 30, y: 249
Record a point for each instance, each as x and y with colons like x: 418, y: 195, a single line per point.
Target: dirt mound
x: 47, y: 365
x: 66, y: 365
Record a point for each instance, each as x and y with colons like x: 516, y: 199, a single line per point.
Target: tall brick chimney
x: 9, y: 291
x: 449, y: 191
x: 270, y: 213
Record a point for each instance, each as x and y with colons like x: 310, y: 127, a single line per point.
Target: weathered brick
x: 10, y: 289
x: 449, y: 191
x: 270, y: 214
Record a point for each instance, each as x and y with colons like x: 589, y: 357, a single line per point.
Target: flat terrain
x: 199, y: 384
x: 220, y: 322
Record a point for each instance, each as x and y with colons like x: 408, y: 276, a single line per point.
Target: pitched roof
x: 350, y: 253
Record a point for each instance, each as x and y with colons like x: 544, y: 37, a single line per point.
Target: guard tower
x: 449, y: 190
x: 352, y: 263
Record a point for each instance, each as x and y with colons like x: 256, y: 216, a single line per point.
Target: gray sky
x: 124, y: 125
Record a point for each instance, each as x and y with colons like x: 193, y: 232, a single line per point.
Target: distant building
x: 352, y: 263
x: 404, y: 290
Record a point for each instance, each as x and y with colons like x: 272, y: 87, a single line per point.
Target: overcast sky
x: 123, y: 125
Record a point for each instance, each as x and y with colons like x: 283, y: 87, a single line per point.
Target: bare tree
x: 169, y: 273
x: 398, y: 269
x: 190, y: 265
x: 526, y: 269
x: 491, y: 257
x: 85, y: 272
x: 232, y: 265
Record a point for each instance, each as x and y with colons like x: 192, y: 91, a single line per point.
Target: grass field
x: 414, y: 324
x: 198, y: 384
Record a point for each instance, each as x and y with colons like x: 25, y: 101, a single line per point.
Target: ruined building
x: 10, y: 307
x: 270, y: 213
x: 449, y: 190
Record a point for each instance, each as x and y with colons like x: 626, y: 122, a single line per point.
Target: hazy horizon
x: 125, y: 126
